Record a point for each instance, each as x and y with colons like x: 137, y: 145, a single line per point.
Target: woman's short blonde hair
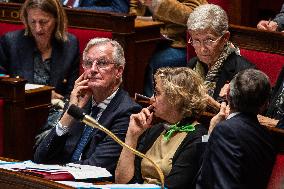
x: 184, y: 89
x: 52, y: 7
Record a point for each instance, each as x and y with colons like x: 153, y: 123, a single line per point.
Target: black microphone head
x: 76, y: 112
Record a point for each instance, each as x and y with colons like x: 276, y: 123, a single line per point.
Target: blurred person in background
x: 277, y: 24
x: 42, y: 53
x: 172, y: 51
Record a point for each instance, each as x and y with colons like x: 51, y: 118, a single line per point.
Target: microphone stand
x: 93, y: 123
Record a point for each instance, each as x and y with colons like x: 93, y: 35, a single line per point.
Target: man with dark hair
x: 240, y: 152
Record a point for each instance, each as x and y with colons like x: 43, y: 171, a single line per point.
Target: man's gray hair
x: 250, y: 90
x: 117, y: 55
x: 208, y: 16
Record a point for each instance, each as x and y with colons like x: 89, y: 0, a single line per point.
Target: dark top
x: 279, y: 18
x: 186, y: 160
x: 275, y: 111
x: 231, y: 66
x: 280, y: 123
x: 101, y: 150
x: 240, y: 154
x: 41, y: 70
x: 119, y: 6
x: 17, y: 54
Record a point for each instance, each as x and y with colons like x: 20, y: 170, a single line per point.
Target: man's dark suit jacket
x: 101, y: 150
x: 232, y: 65
x: 240, y: 154
x: 17, y: 53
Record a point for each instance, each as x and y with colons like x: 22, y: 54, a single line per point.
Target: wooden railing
x: 254, y: 39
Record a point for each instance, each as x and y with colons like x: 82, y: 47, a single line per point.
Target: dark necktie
x: 85, y: 136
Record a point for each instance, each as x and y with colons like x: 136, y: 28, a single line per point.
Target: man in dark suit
x: 98, y: 92
x: 240, y: 152
x: 119, y: 6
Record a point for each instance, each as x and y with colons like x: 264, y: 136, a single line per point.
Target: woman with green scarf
x: 174, y: 145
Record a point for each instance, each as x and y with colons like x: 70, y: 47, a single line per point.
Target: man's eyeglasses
x: 100, y: 63
x: 207, y: 43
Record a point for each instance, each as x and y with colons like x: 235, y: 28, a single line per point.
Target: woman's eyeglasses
x: 207, y: 43
x: 100, y: 63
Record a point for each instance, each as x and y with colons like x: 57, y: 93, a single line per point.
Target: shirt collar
x: 105, y: 102
x: 233, y: 115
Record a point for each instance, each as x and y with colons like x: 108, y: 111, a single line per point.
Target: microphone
x: 78, y: 113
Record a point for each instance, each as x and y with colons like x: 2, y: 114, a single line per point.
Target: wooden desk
x: 10, y: 179
x: 24, y: 113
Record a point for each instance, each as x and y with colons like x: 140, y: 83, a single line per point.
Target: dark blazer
x: 16, y: 58
x: 119, y: 6
x: 240, y: 154
x: 232, y: 65
x: 101, y: 150
x: 186, y: 161
x: 279, y: 18
x: 272, y: 111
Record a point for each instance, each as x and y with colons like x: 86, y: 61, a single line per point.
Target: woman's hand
x: 80, y: 94
x: 222, y: 115
x: 213, y: 103
x: 267, y: 25
x: 140, y: 122
x: 55, y: 95
x: 148, y: 3
x: 267, y: 121
x: 224, y: 91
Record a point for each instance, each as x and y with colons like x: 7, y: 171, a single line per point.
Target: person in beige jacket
x: 172, y: 51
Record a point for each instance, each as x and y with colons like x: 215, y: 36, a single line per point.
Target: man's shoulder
x: 231, y: 125
x: 14, y: 36
x: 238, y: 125
x: 125, y: 101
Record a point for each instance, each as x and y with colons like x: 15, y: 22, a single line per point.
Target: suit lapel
x: 105, y: 117
x: 26, y: 50
x: 113, y: 105
x: 57, y: 62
